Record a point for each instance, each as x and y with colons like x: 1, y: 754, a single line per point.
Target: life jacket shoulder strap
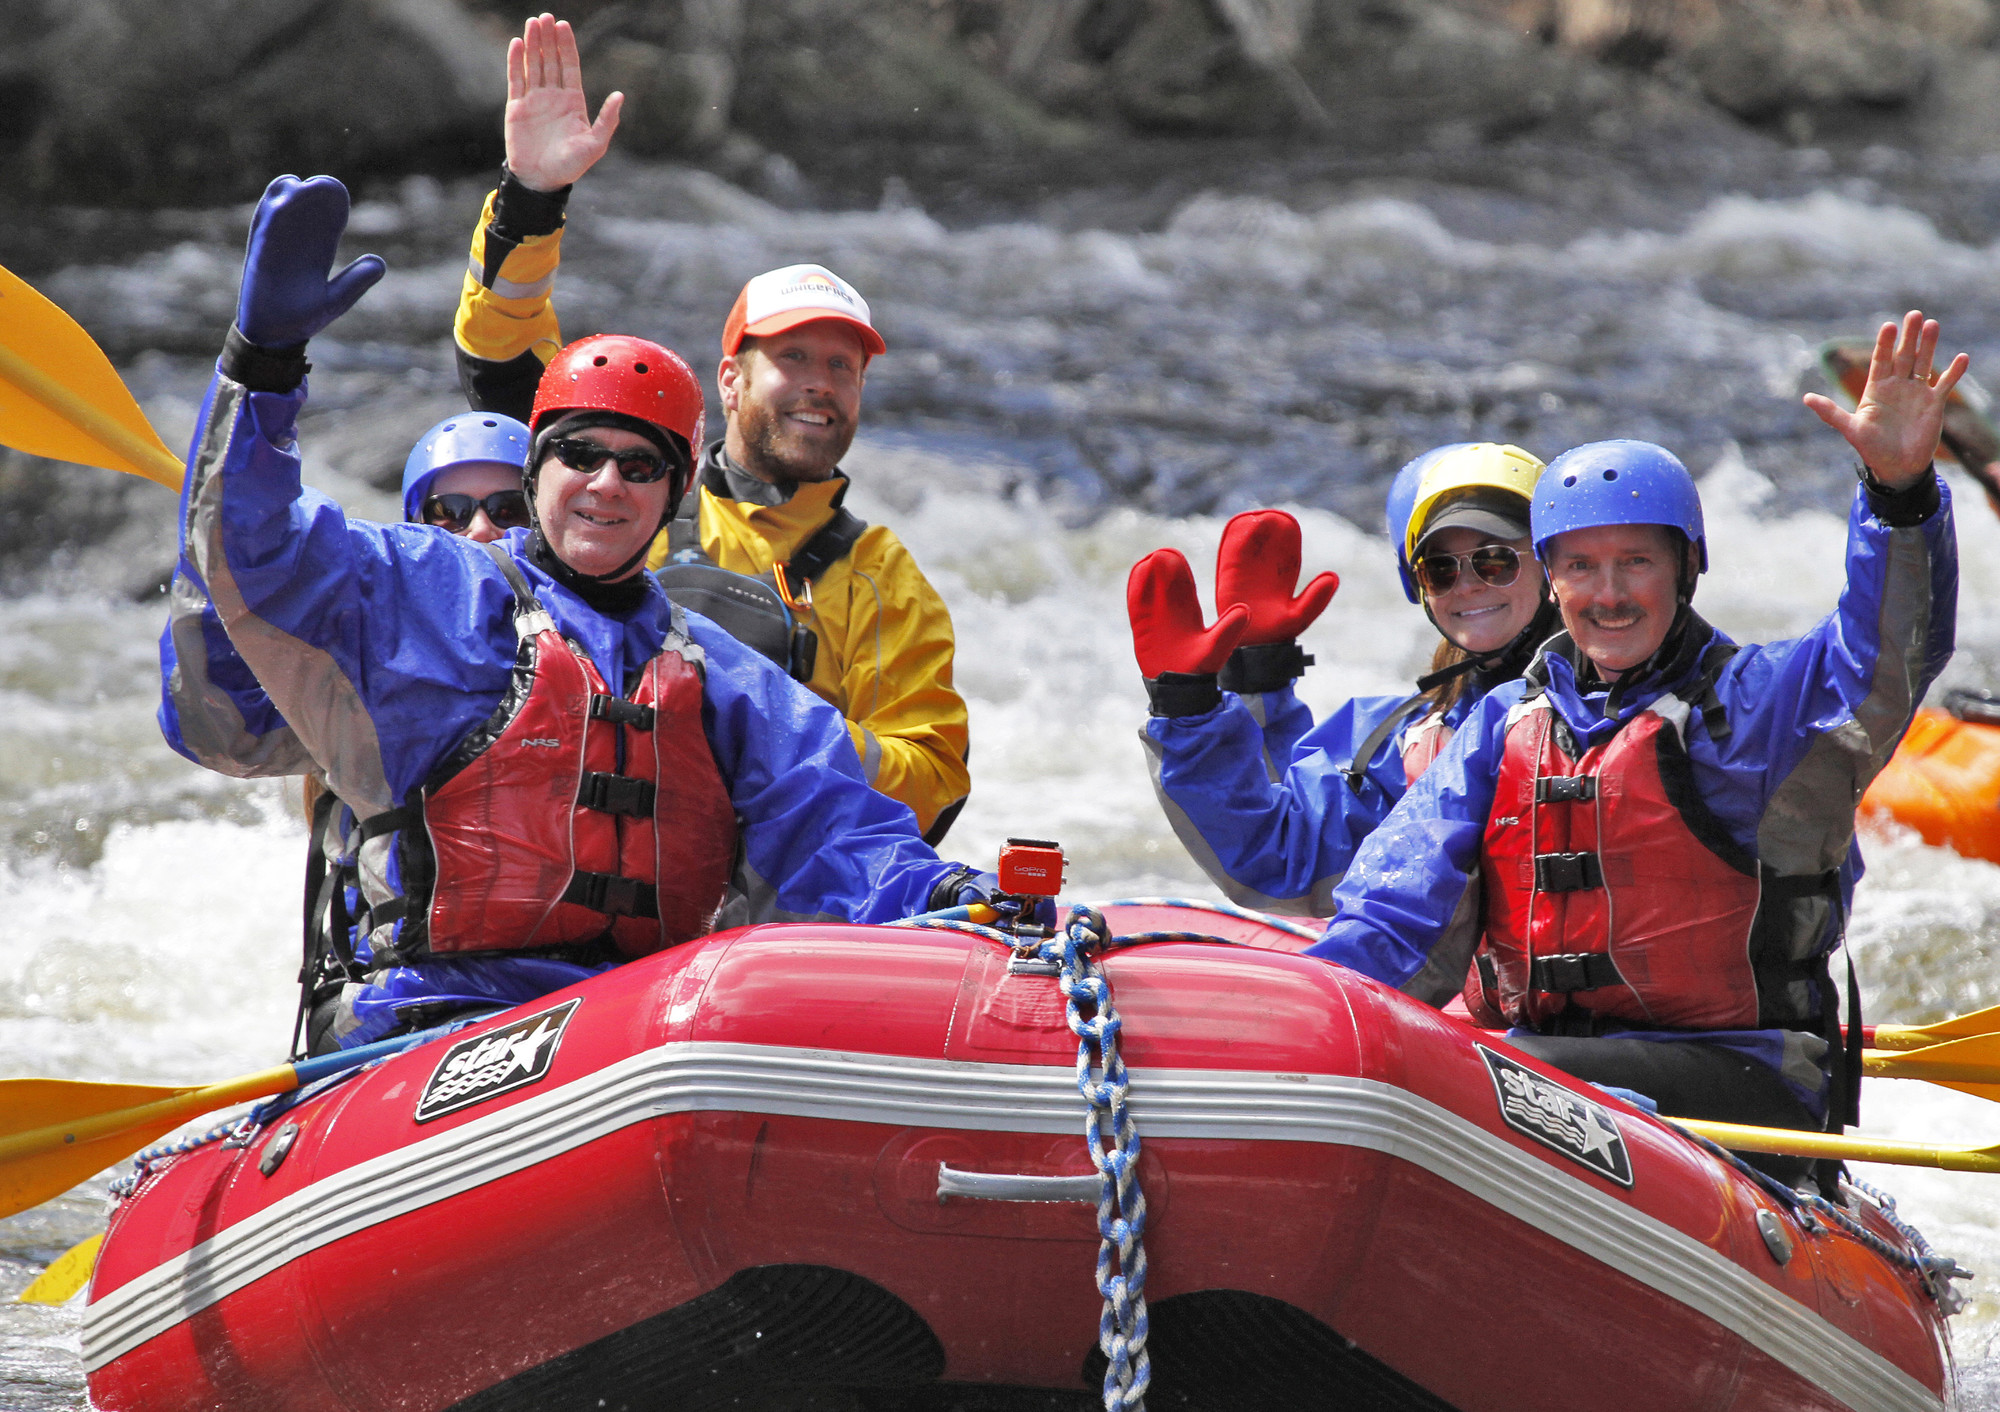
x: 530, y: 617
x: 829, y: 544
x: 1356, y: 769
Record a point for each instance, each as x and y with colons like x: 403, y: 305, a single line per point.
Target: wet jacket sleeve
x: 381, y: 645
x: 1409, y: 905
x: 907, y: 721
x: 1815, y: 718
x: 213, y: 710
x: 506, y: 329
x: 1277, y: 839
x: 818, y: 843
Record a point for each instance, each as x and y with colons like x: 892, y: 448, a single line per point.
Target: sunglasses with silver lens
x: 1496, y: 564
x: 508, y: 509
x: 637, y: 465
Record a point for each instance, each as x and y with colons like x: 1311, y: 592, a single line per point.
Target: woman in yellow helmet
x: 1269, y: 804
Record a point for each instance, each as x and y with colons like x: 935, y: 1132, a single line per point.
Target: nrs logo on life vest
x: 496, y: 1062
x: 1556, y: 1117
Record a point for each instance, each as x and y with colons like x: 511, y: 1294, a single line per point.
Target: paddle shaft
x: 1854, y: 1148
x: 156, y: 465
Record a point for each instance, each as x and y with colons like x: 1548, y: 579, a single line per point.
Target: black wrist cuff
x: 1905, y: 508
x: 520, y: 211
x: 1264, y: 666
x: 262, y: 369
x: 945, y: 894
x: 1182, y: 693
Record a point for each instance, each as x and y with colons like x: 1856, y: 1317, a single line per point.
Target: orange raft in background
x: 1944, y: 779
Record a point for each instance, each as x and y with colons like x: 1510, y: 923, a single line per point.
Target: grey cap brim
x: 1473, y: 516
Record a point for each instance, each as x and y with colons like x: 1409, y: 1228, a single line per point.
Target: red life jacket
x: 572, y: 816
x: 1423, y: 742
x: 1611, y: 889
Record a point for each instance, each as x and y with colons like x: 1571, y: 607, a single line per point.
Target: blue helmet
x: 1618, y: 483
x: 1403, y: 503
x: 456, y: 441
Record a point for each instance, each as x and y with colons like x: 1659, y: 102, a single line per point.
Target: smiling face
x: 793, y: 401
x: 1618, y: 587
x: 595, y: 522
x: 1473, y: 613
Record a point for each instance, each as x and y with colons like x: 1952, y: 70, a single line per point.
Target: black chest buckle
x: 1567, y: 872
x: 1565, y: 789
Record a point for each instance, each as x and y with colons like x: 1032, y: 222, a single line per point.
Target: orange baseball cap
x: 797, y: 294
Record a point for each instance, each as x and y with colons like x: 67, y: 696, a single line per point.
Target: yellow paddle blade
x: 1853, y: 1147
x: 1974, y: 1060
x: 55, y: 1133
x: 1985, y: 1021
x: 66, y: 1274
x: 60, y: 397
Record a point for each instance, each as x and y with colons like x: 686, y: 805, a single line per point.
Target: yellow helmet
x: 1485, y: 465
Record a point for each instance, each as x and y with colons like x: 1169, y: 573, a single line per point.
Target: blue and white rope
x: 1113, y: 1140
x: 143, y: 1164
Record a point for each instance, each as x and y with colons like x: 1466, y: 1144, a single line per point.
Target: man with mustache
x: 1654, y: 829
x: 878, y: 641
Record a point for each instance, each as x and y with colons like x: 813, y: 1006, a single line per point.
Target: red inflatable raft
x: 851, y: 1157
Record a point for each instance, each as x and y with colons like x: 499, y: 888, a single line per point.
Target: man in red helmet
x: 550, y: 767
x: 878, y: 643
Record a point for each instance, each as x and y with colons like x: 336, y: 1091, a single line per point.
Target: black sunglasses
x: 508, y: 509
x: 635, y: 465
x: 1496, y: 564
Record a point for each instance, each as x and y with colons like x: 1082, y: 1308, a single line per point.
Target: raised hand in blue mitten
x: 286, y: 295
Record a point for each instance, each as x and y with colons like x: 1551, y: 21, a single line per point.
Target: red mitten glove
x: 1257, y: 567
x: 1168, y: 635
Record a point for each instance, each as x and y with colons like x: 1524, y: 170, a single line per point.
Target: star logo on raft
x: 494, y: 1062
x: 1558, y: 1117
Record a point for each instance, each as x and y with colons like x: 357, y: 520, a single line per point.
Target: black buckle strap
x: 1264, y: 666
x: 1567, y: 872
x: 616, y: 794
x: 620, y: 712
x: 612, y: 895
x: 1587, y: 970
x: 1565, y: 789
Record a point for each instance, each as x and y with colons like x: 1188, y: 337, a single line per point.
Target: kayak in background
x: 1944, y: 779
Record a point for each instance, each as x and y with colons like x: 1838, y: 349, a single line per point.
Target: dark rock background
x: 154, y: 102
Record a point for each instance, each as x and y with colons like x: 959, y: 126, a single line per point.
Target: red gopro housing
x: 1031, y: 867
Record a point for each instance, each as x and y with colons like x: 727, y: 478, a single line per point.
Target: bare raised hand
x: 1894, y: 428
x: 551, y: 140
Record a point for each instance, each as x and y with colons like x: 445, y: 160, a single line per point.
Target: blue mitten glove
x: 286, y: 296
x: 964, y: 887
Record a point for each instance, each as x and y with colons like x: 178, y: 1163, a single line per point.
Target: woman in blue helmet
x: 463, y: 475
x: 1269, y: 804
x: 1651, y: 835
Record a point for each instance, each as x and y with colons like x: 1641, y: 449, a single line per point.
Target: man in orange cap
x: 872, y: 637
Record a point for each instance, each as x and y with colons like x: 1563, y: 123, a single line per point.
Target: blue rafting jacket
x: 1812, y: 721
x: 1260, y: 796
x: 380, y: 647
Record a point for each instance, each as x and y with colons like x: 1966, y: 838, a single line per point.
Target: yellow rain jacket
x: 885, y: 638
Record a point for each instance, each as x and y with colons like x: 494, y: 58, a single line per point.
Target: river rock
x: 148, y: 100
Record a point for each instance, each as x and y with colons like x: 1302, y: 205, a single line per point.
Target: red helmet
x: 614, y: 372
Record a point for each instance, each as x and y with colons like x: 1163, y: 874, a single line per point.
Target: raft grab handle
x: 1009, y: 1186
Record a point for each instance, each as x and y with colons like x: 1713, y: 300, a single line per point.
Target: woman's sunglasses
x: 1496, y: 564
x: 636, y: 465
x: 508, y: 509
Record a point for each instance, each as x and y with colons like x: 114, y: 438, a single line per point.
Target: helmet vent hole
x: 1569, y: 480
x: 1611, y: 475
x: 599, y: 361
x: 638, y: 367
x: 453, y: 426
x: 489, y: 422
